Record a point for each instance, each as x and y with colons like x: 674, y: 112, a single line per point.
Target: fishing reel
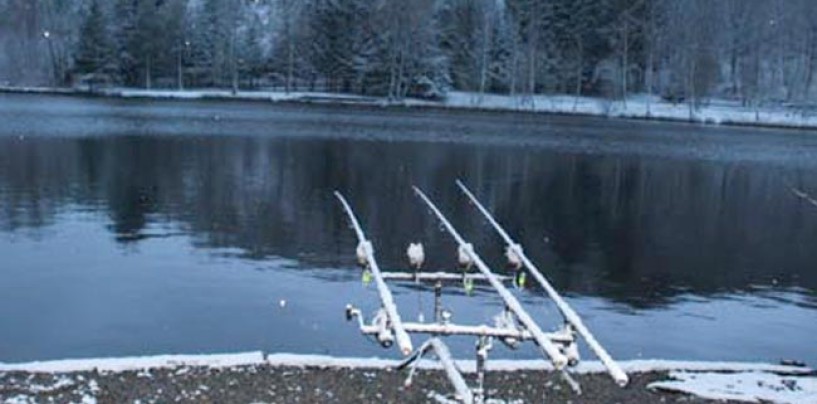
x: 568, y: 347
x: 505, y: 320
x: 379, y: 327
x: 384, y: 335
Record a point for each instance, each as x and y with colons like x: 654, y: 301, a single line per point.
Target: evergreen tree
x: 340, y: 41
x: 125, y: 12
x: 215, y: 39
x: 148, y: 40
x: 94, y: 54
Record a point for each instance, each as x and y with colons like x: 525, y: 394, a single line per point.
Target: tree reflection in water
x: 639, y: 230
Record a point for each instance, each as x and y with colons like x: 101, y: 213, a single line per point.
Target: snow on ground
x: 324, y: 361
x: 469, y: 366
x: 19, y: 399
x: 274, y: 96
x: 137, y: 363
x: 742, y: 381
x: 88, y: 391
x: 639, y: 106
x: 753, y: 387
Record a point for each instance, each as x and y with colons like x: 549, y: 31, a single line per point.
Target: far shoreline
x: 721, y: 113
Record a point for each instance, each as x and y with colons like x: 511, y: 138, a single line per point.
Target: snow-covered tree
x: 755, y: 51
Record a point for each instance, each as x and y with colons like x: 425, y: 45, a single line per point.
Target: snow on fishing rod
x: 365, y: 255
x: 559, y: 360
x: 570, y: 316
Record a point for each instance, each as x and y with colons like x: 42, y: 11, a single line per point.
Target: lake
x: 138, y: 227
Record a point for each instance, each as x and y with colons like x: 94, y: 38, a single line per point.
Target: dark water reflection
x: 639, y: 230
x: 639, y: 242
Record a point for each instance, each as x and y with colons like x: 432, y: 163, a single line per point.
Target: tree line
x: 755, y: 51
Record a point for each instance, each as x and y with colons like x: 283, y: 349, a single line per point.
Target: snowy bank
x: 136, y: 363
x: 719, y: 112
x: 640, y: 107
x: 323, y: 361
x: 294, y: 377
x: 206, y: 94
x: 272, y: 96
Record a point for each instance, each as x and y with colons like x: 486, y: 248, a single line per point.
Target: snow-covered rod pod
x: 570, y: 316
x: 403, y: 340
x: 558, y: 359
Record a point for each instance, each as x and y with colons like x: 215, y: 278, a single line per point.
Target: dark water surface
x: 137, y: 227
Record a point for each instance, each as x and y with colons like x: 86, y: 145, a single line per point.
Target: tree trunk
x: 691, y: 87
x: 531, y: 67
x: 579, y: 69
x: 290, y: 47
x: 400, y: 73
x: 235, y: 78
x: 179, y: 72
x: 392, y: 75
x: 625, y: 62
x: 148, y: 84
x: 233, y: 57
x: 483, y: 74
x: 648, y: 76
x: 809, y: 66
x: 733, y: 71
x: 55, y: 70
x: 514, y: 67
x: 756, y: 92
x: 532, y: 30
x: 290, y: 63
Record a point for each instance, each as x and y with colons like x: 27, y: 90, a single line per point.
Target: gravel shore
x: 281, y: 384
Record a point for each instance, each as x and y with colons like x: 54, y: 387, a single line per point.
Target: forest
x: 755, y: 51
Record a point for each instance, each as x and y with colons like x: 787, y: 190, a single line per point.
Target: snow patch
x: 86, y: 399
x: 637, y: 106
x: 137, y: 363
x: 61, y: 383
x: 316, y: 97
x: 19, y: 399
x: 743, y: 386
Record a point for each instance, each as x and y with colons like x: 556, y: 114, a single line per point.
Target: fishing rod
x: 365, y: 255
x: 558, y: 359
x: 567, y: 312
